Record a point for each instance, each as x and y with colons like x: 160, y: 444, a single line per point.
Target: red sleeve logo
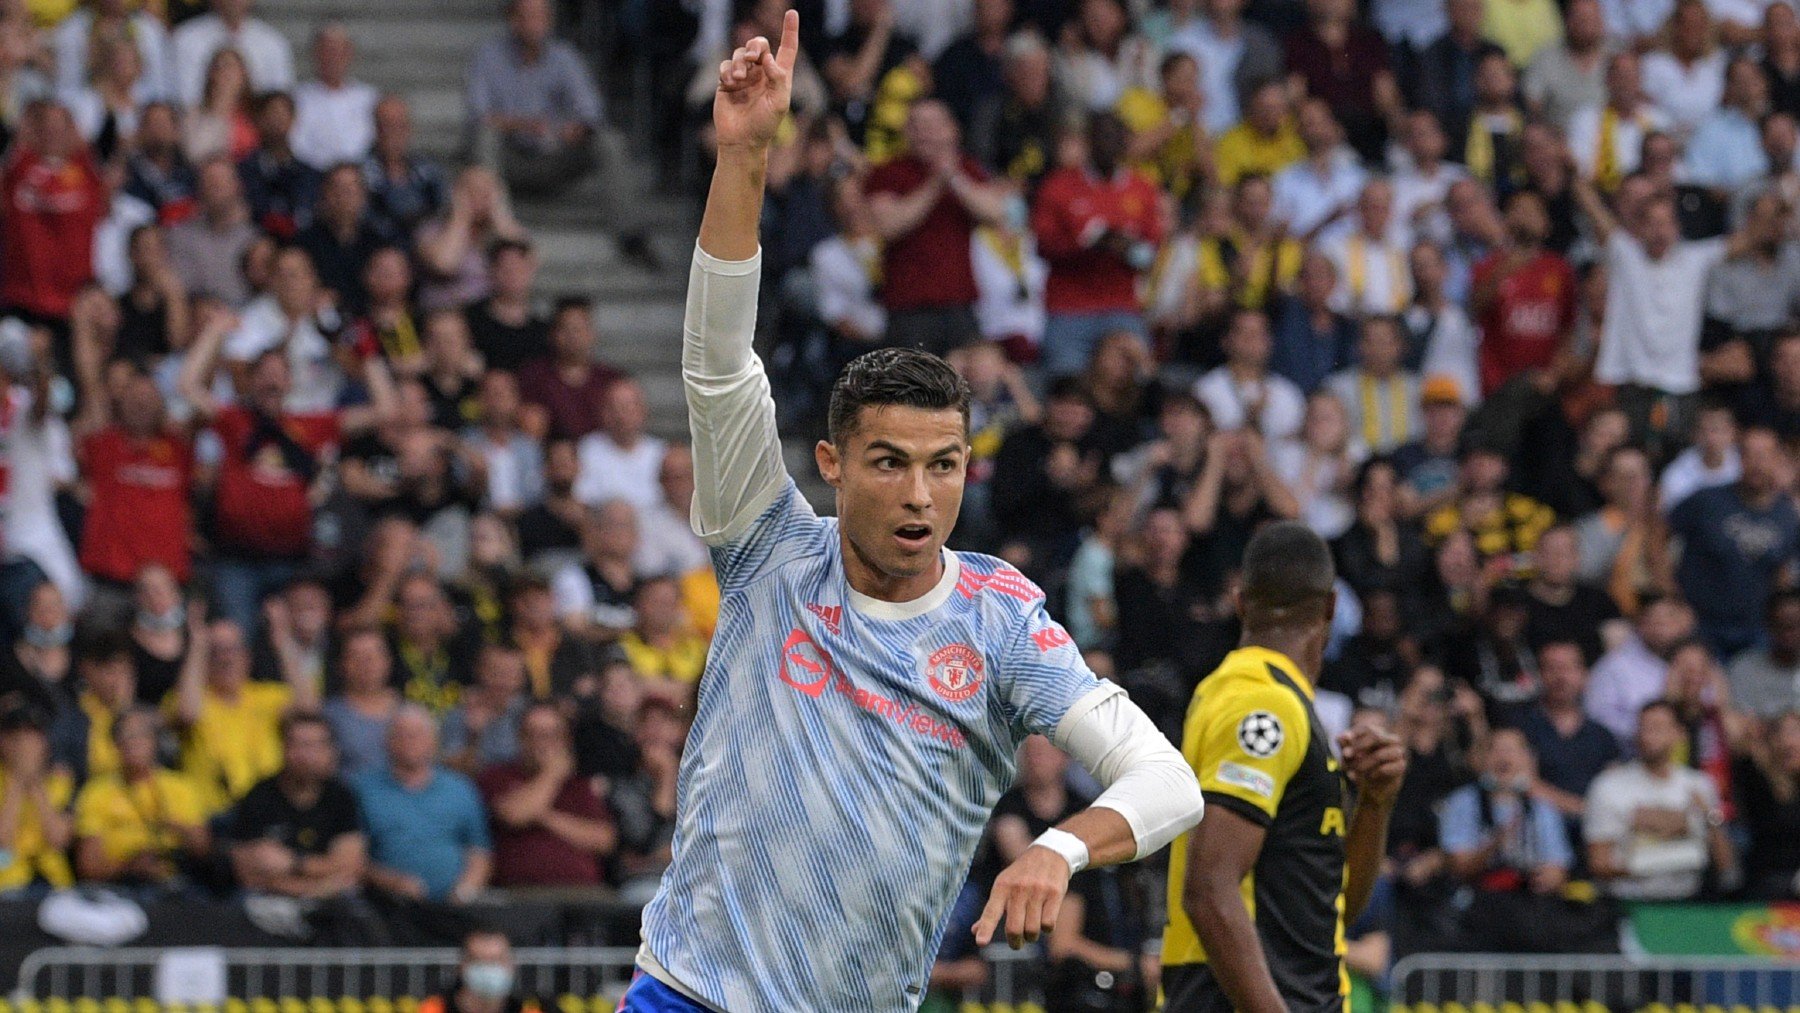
x: 954, y: 672
x: 1050, y: 638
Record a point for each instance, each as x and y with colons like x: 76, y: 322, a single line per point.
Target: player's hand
x: 1026, y: 897
x: 1375, y: 761
x: 754, y: 88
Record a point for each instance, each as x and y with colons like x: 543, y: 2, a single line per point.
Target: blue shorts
x: 648, y: 995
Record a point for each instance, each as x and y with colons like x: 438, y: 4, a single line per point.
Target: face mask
x: 55, y: 636
x: 489, y: 981
x: 171, y: 619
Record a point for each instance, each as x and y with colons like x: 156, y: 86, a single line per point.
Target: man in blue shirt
x: 428, y: 835
x: 1737, y: 540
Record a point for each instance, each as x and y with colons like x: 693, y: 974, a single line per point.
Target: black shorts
x: 1191, y: 988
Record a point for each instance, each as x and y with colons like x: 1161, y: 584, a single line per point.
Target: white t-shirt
x: 1688, y: 474
x: 1659, y: 870
x: 317, y: 379
x: 1651, y: 336
x: 1451, y: 349
x: 1283, y: 406
x: 1374, y: 276
x: 1008, y: 302
x: 1414, y: 190
x: 842, y: 285
x: 609, y: 471
x: 1628, y: 137
x: 38, y: 457
x: 333, y: 125
x: 667, y: 543
x: 1686, y: 93
x: 1304, y: 199
x: 266, y: 53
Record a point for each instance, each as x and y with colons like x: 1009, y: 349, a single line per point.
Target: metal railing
x: 1613, y: 982
x: 130, y: 973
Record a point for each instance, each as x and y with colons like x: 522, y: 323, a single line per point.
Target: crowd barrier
x: 79, y: 979
x: 1481, y: 983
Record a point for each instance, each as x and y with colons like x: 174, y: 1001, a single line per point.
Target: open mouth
x: 913, y: 536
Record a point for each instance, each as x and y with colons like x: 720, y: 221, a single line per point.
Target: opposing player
x: 1257, y: 925
x: 866, y: 688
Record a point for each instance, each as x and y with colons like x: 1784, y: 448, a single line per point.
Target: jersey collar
x: 1282, y: 662
x: 875, y: 608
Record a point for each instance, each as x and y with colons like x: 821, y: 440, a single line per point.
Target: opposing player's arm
x: 1221, y: 852
x: 1375, y: 762
x: 737, y: 452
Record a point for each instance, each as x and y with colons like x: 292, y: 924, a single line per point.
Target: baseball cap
x: 1440, y: 389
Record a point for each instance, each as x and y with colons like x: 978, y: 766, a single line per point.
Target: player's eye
x: 943, y: 465
x: 887, y: 463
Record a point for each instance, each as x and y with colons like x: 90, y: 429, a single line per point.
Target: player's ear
x: 825, y: 453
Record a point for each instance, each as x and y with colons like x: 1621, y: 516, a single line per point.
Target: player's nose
x: 918, y: 490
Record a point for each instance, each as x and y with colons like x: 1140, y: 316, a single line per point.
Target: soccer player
x: 866, y: 689
x: 1257, y: 924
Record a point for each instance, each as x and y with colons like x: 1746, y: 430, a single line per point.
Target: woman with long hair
x: 221, y: 123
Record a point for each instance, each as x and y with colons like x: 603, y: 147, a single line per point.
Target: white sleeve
x: 737, y: 452
x: 1147, y: 780
x: 571, y: 592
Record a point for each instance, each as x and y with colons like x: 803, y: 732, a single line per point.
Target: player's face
x: 899, y: 480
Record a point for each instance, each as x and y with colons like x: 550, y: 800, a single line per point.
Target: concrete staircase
x: 420, y: 49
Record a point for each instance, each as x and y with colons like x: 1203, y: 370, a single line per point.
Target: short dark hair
x: 1782, y: 597
x: 99, y: 646
x: 904, y: 377
x: 1288, y: 576
x: 305, y: 719
x: 1661, y: 704
x: 570, y: 303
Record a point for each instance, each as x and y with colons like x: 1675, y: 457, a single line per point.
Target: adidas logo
x: 832, y: 614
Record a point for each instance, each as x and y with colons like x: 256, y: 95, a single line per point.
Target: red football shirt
x: 139, y: 512
x: 48, y: 214
x: 1531, y: 313
x: 1073, y: 208
x: 261, y: 507
x: 534, y: 856
x: 928, y: 267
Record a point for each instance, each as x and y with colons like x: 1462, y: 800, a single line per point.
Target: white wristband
x: 1067, y: 845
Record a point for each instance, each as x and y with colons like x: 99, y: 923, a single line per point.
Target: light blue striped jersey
x: 844, y: 759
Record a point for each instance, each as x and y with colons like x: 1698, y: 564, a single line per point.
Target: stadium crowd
x: 336, y: 563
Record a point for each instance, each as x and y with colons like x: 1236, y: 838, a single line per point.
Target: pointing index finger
x: 790, y: 41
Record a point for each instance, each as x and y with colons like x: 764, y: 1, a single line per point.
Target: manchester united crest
x: 954, y: 672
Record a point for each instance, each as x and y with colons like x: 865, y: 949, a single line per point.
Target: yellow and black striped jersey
x: 1259, y: 750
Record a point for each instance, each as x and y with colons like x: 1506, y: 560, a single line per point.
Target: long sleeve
x: 1147, y: 780
x: 738, y: 469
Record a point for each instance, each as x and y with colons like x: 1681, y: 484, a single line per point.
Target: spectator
x: 231, y: 726
x: 299, y: 322
x: 1751, y: 296
x: 281, y: 189
x: 154, y: 313
x: 1372, y: 667
x: 1104, y: 59
x: 1726, y: 150
x: 1236, y: 57
x: 334, y: 114
x: 550, y: 828
x: 452, y: 248
x: 532, y: 106
x: 37, y: 838
x: 619, y: 460
x: 1607, y: 140
x: 846, y: 269
x: 507, y: 328
x: 1318, y: 467
x: 139, y: 472
x: 450, y: 371
x: 343, y: 237
x: 1765, y: 680
x: 1687, y: 80
x: 666, y: 540
x: 557, y: 665
x: 1525, y: 303
x: 405, y: 189
x: 1343, y: 63
x: 1712, y: 461
x: 224, y: 123
x: 208, y: 250
x: 662, y: 645
x: 1313, y: 192
x: 593, y: 597
x: 143, y: 826
x: 1370, y: 255
x: 1238, y: 492
x: 1421, y: 186
x: 427, y: 640
x: 1380, y: 550
x: 1523, y: 28
x: 1043, y: 473
x: 1264, y: 142
x: 1380, y: 394
x: 1571, y: 748
x: 1624, y: 545
x: 485, y: 981
x: 1242, y: 393
x: 75, y: 43
x: 926, y: 205
x: 550, y: 529
x: 512, y: 460
x: 1444, y: 71
x: 81, y: 732
x: 969, y: 71
x: 298, y: 833
x: 569, y: 384
x: 1497, y: 124
x: 158, y: 632
x: 1634, y: 671
x: 1563, y: 604
x: 428, y: 836
x: 1736, y: 539
x: 1507, y: 843
x: 1570, y: 75
x: 266, y: 53
x: 1771, y: 808
x: 298, y: 636
x: 105, y: 107
x: 359, y: 713
x: 157, y: 171
x: 53, y: 199
x: 1016, y: 131
x: 1314, y: 337
x: 1653, y: 825
x: 483, y: 728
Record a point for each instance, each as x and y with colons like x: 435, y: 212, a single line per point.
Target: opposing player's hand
x: 1026, y: 898
x: 1375, y: 761
x: 754, y: 88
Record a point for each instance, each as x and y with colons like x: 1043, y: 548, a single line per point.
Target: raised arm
x: 737, y: 451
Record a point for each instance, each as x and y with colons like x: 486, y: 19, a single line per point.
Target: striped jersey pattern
x: 844, y: 758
